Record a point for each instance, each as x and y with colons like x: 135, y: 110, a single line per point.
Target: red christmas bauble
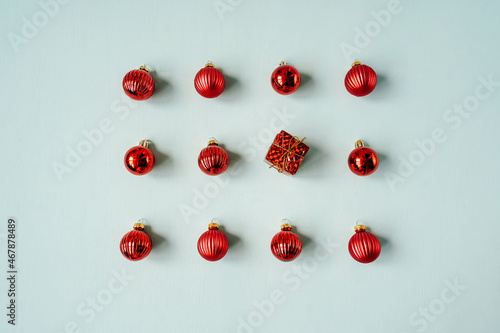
x: 139, y: 160
x: 213, y: 244
x: 285, y: 79
x: 286, y: 245
x: 213, y: 160
x: 138, y: 84
x: 364, y: 246
x: 209, y: 81
x: 360, y: 80
x: 136, y: 244
x: 363, y: 161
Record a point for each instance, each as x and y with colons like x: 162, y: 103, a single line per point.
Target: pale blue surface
x: 439, y: 222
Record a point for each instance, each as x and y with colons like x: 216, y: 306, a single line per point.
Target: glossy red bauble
x: 209, y: 81
x: 139, y: 160
x: 364, y: 246
x: 286, y: 245
x: 213, y: 160
x: 138, y: 84
x: 360, y: 80
x: 363, y: 161
x: 213, y: 244
x: 136, y: 244
x: 285, y: 79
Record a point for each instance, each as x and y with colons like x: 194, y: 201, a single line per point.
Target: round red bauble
x: 364, y: 246
x: 213, y: 160
x: 362, y: 161
x: 209, y: 81
x: 286, y: 245
x: 285, y: 79
x: 139, y: 160
x: 136, y: 244
x: 138, y: 84
x: 360, y: 80
x: 213, y: 244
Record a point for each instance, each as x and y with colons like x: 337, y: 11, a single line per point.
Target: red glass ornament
x: 138, y: 84
x: 213, y: 244
x: 363, y: 161
x: 360, y: 80
x: 364, y: 246
x: 139, y: 160
x: 213, y: 160
x: 209, y: 81
x: 285, y: 79
x: 136, y: 244
x: 286, y: 245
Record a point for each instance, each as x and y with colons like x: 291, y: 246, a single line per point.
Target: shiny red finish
x: 213, y: 244
x: 364, y: 247
x: 138, y: 84
x: 209, y: 82
x: 286, y: 245
x: 136, y: 244
x: 139, y: 160
x: 213, y: 160
x: 285, y: 79
x: 363, y: 161
x: 360, y: 80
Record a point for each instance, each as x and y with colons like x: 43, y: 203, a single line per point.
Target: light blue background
x: 438, y: 223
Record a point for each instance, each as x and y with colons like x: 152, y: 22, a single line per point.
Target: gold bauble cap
x: 359, y: 227
x: 139, y: 226
x: 286, y: 226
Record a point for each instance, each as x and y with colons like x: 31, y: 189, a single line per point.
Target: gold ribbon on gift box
x: 289, y: 150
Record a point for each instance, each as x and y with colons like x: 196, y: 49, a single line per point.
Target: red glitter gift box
x: 286, y: 153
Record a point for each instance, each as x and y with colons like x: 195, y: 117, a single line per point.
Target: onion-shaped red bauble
x: 209, y: 81
x: 139, y: 160
x: 213, y: 244
x: 360, y: 80
x: 138, y: 84
x: 363, y: 161
x: 285, y: 79
x: 286, y: 245
x: 213, y: 160
x: 136, y: 244
x: 364, y: 246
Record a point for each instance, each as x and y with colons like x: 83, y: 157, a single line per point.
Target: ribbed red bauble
x: 139, y: 160
x: 136, y: 244
x: 138, y: 84
x: 285, y: 79
x: 209, y: 82
x: 213, y: 244
x: 286, y: 245
x: 360, y: 80
x: 213, y: 160
x: 364, y: 246
x: 362, y: 161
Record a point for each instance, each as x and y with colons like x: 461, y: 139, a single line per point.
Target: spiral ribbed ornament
x: 286, y: 245
x: 364, y: 247
x: 213, y: 244
x: 213, y: 160
x: 360, y: 80
x: 136, y: 244
x: 138, y: 84
x: 209, y: 82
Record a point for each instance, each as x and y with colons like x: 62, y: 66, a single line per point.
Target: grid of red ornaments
x: 285, y: 154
